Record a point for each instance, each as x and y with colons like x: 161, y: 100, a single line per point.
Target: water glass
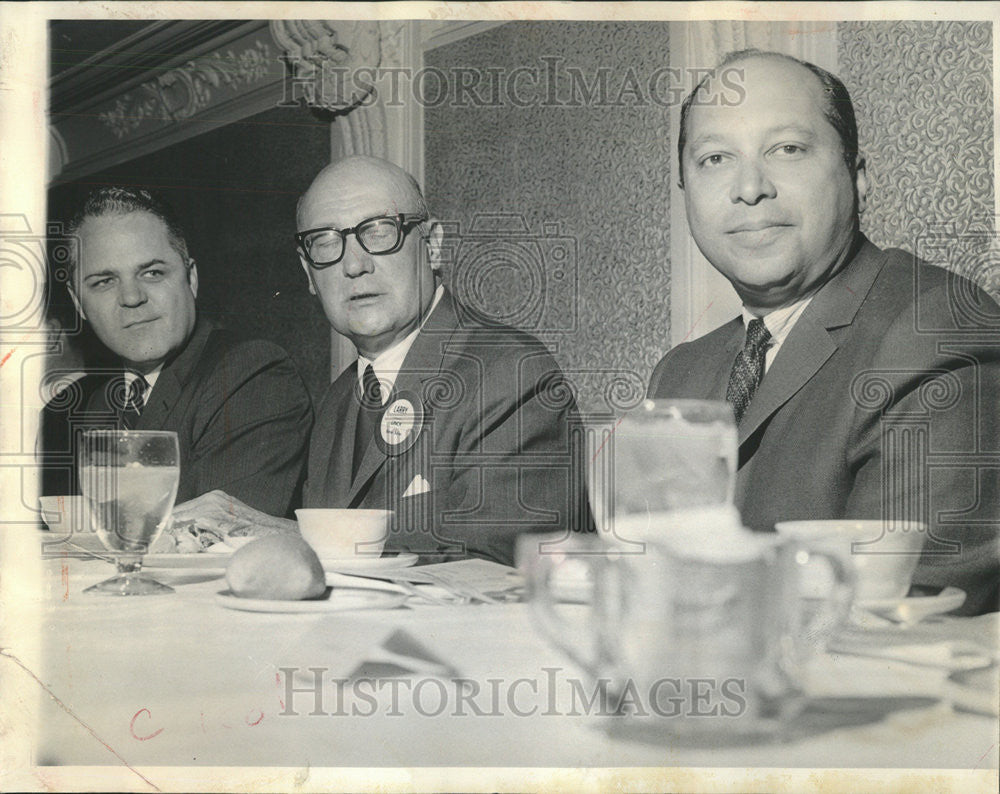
x: 668, y: 455
x: 129, y: 481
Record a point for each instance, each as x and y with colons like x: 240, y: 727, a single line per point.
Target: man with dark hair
x: 239, y: 407
x: 865, y: 382
x: 463, y: 430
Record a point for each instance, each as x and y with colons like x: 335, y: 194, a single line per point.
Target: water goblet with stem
x: 129, y: 481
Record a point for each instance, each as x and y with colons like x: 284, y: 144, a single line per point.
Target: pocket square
x: 418, y: 485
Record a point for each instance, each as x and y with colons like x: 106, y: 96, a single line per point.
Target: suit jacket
x: 882, y: 402
x: 493, y: 457
x: 240, y: 410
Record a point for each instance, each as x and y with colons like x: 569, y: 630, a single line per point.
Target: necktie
x: 748, y: 369
x: 135, y: 401
x: 369, y: 408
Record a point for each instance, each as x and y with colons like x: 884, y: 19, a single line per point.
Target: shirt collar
x: 149, y: 376
x: 779, y: 322
x: 388, y: 363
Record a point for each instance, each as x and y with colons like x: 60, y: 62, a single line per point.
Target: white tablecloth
x: 179, y: 680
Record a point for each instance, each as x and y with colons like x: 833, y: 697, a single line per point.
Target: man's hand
x: 220, y: 512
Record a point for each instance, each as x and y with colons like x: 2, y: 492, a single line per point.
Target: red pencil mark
x: 70, y: 712
x: 258, y: 720
x: 277, y: 683
x: 850, y: 290
x: 606, y: 440
x: 4, y: 359
x: 65, y: 581
x: 203, y: 728
x: 697, y: 320
x: 984, y: 754
x: 131, y: 726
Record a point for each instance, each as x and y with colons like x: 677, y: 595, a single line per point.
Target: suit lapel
x: 337, y: 479
x: 169, y: 388
x: 423, y: 360
x: 717, y: 377
x: 810, y: 344
x: 101, y: 396
x: 805, y: 350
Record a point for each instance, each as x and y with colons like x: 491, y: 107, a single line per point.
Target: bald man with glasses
x: 463, y: 430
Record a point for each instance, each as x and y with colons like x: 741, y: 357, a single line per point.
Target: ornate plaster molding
x: 322, y: 53
x: 181, y: 92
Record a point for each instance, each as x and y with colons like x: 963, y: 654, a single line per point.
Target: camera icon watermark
x: 31, y: 264
x: 504, y: 274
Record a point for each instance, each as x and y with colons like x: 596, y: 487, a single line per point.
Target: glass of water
x: 671, y: 455
x: 129, y: 481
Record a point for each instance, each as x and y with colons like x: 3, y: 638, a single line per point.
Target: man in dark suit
x: 240, y: 410
x: 865, y: 382
x: 463, y: 430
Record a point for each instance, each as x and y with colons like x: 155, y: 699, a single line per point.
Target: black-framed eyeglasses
x: 382, y: 235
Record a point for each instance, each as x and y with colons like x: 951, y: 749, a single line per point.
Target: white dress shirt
x: 150, y: 380
x: 388, y: 363
x: 779, y: 324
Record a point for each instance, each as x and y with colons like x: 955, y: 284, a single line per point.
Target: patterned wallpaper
x: 557, y: 193
x: 923, y: 93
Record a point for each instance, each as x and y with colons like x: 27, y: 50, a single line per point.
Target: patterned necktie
x: 135, y: 401
x: 369, y: 408
x: 748, y: 369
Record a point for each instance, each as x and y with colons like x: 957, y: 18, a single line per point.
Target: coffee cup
x: 343, y: 533
x: 883, y: 554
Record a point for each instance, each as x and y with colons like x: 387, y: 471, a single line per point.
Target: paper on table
x: 482, y: 575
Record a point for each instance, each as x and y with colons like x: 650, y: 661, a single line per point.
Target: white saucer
x: 387, y: 563
x: 336, y: 599
x: 913, y: 609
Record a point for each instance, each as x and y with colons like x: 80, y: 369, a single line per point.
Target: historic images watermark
x: 550, y: 82
x: 313, y: 692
